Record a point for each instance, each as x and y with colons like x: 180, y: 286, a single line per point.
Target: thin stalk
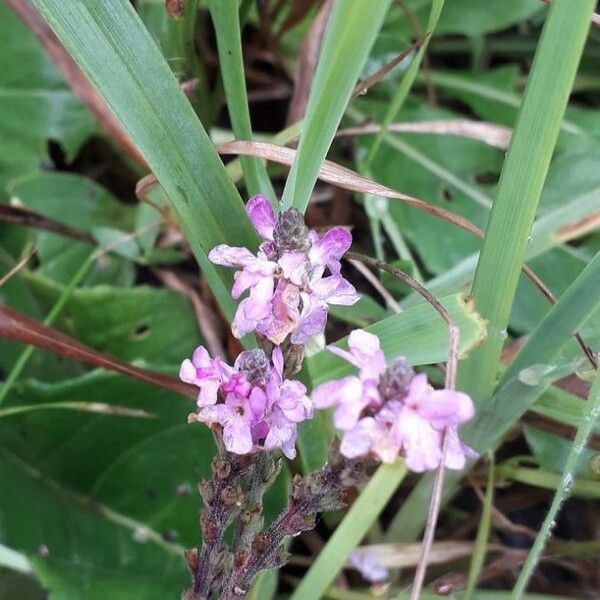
x: 483, y: 532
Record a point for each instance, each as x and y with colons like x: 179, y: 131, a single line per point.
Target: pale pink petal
x: 443, y: 408
x: 293, y: 402
x: 348, y: 411
x: 457, y: 453
x: 312, y: 321
x: 358, y: 440
x: 208, y: 392
x: 330, y: 248
x: 344, y: 294
x: 421, y: 442
x: 277, y: 360
x: 294, y: 267
x: 242, y: 324
x: 201, y: 357
x: 332, y: 393
x: 187, y: 372
x: 261, y: 214
x: 237, y: 436
x: 230, y: 256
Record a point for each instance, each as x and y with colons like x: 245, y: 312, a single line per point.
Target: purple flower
x: 289, y: 291
x: 252, y: 403
x: 391, y: 412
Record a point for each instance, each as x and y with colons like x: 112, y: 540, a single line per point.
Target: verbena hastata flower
x: 289, y: 290
x: 254, y: 405
x: 391, y: 412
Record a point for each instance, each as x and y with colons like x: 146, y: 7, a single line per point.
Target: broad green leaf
x: 111, y: 45
x: 105, y: 494
x: 520, y: 186
x: 552, y: 451
x: 155, y: 325
x: 35, y: 104
x: 351, y: 30
x: 471, y: 17
x: 82, y: 204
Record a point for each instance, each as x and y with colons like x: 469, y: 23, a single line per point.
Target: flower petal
x: 444, y: 408
x: 231, y: 256
x: 332, y: 393
x: 294, y: 266
x: 358, y: 440
x: 328, y: 250
x: 421, y: 442
x: 261, y: 214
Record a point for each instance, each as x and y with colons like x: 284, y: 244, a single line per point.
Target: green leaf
x: 112, y: 47
x: 35, y: 104
x: 95, y: 487
x: 155, y: 325
x: 351, y: 30
x: 83, y: 205
x: 521, y: 184
x: 552, y: 451
x: 471, y: 17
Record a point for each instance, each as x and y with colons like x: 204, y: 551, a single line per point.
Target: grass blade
x: 351, y: 31
x: 350, y: 531
x: 592, y: 415
x: 520, y: 185
x: 112, y: 47
x: 226, y: 20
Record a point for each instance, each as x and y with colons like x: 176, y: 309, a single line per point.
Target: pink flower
x: 256, y: 408
x: 289, y: 293
x: 390, y: 412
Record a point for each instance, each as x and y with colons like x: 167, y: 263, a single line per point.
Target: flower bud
x: 291, y: 233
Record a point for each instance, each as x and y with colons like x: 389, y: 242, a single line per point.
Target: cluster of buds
x: 383, y: 412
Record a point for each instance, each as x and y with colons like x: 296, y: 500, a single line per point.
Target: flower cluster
x: 391, y: 412
x: 289, y: 290
x: 255, y: 407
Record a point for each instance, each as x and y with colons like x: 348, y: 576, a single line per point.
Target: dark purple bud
x: 255, y: 364
x: 291, y: 233
x: 393, y: 384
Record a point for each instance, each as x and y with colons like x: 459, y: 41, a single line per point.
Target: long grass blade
x: 352, y: 29
x: 112, y: 47
x: 226, y: 20
x: 520, y: 185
